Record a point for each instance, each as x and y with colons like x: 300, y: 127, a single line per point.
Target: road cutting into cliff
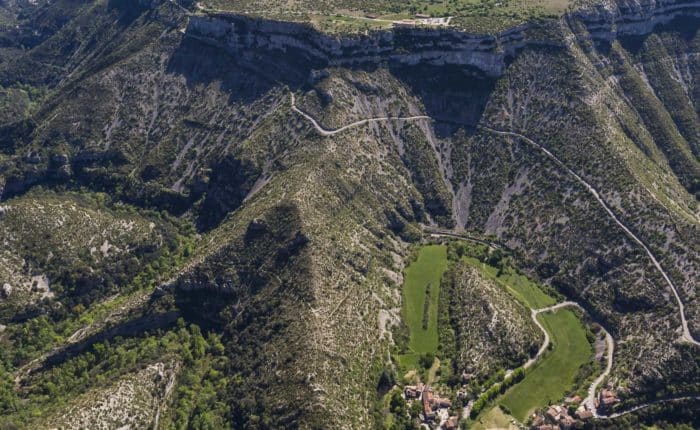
x: 333, y: 131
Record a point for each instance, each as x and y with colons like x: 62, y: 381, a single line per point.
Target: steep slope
x: 566, y: 107
x: 73, y: 247
x: 492, y: 331
x: 302, y: 236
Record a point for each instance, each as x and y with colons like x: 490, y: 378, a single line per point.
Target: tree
x: 426, y: 360
x: 397, y: 403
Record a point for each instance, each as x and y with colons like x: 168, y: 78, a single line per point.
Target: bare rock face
x: 295, y: 270
x: 609, y: 20
x: 6, y: 291
x: 489, y: 54
x: 405, y: 46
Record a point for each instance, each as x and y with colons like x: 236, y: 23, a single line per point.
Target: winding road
x: 684, y: 323
x: 589, y: 401
x: 686, y: 335
x: 331, y: 132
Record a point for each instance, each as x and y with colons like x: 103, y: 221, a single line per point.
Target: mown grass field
x: 426, y: 270
x: 523, y: 289
x: 555, y: 373
x: 493, y: 419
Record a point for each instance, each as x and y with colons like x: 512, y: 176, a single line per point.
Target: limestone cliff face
x: 400, y: 46
x: 487, y: 53
x: 611, y: 19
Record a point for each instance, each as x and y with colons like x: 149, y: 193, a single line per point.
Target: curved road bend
x: 589, y: 401
x: 686, y: 332
x: 330, y: 132
x: 684, y: 323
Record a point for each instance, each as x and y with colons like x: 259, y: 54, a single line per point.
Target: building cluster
x: 560, y: 416
x: 422, y: 20
x: 607, y: 399
x: 434, y: 409
x: 419, y: 19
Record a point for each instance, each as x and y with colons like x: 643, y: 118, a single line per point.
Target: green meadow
x: 554, y: 375
x: 425, y: 272
x: 519, y: 286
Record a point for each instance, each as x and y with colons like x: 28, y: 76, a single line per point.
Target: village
x: 419, y: 19
x: 572, y: 414
x: 435, y: 410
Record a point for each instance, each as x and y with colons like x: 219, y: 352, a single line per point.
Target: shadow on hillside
x: 246, y: 77
x: 686, y: 27
x: 454, y: 96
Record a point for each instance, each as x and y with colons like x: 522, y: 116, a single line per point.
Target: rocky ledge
x: 487, y: 53
x: 610, y: 20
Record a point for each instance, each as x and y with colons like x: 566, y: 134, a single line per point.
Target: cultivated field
x: 555, y: 374
x: 426, y: 271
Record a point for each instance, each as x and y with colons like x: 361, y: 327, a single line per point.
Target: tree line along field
x: 421, y: 292
x: 553, y: 376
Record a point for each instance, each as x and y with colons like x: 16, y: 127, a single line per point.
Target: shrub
x: 426, y: 360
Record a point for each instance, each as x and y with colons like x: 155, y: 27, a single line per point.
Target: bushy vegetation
x: 421, y: 159
x: 135, y: 109
x: 197, y: 401
x: 477, y: 336
x: 88, y: 246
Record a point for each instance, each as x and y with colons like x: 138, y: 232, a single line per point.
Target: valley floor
x: 554, y: 375
x: 549, y: 375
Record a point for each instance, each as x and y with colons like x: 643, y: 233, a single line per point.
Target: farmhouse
x: 413, y: 391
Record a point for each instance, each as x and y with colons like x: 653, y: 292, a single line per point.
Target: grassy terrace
x: 493, y: 419
x: 425, y: 272
x: 555, y: 373
x: 523, y: 289
x: 349, y: 16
